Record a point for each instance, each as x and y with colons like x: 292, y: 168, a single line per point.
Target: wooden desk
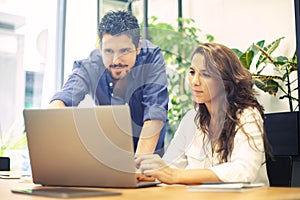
x: 159, y: 192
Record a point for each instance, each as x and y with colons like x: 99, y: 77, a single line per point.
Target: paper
x: 225, y: 187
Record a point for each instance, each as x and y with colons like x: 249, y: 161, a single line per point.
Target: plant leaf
x: 237, y: 52
x: 254, y: 48
x: 267, y: 51
x: 267, y: 83
x: 246, y: 58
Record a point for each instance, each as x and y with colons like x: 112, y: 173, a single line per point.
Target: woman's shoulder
x: 187, y: 127
x: 188, y: 121
x: 249, y: 111
x: 250, y: 114
x: 190, y: 115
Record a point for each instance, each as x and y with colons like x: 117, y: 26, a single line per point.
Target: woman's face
x: 205, y: 87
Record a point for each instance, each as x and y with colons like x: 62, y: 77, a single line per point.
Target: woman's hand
x: 153, y: 166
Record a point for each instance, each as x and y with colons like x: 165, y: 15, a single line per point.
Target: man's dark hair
x: 119, y: 22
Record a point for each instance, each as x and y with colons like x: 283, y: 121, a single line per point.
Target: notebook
x: 77, y: 146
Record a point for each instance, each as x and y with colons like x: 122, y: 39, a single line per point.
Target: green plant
x: 13, y: 139
x: 177, y: 45
x: 258, y: 57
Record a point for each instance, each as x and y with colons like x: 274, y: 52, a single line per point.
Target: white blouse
x: 247, y: 161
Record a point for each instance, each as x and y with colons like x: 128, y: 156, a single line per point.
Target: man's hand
x: 56, y: 104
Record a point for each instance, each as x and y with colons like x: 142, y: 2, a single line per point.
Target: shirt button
x: 110, y: 84
x: 112, y: 94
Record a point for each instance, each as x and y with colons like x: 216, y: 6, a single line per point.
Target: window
x: 27, y: 64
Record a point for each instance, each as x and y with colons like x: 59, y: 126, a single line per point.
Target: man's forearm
x: 149, y: 136
x: 56, y: 104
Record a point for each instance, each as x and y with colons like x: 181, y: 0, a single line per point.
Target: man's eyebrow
x: 125, y: 48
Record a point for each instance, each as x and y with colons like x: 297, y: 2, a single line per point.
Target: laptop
x: 86, y: 147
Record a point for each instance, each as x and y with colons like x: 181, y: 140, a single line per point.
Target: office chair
x: 280, y: 171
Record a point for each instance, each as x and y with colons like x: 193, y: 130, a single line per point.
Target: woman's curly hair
x: 239, y: 95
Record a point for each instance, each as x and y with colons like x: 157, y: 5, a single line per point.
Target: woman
x: 223, y: 138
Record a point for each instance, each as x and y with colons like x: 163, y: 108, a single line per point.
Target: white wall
x: 237, y: 24
x: 81, y: 31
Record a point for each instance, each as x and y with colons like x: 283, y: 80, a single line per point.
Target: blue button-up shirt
x: 146, y: 87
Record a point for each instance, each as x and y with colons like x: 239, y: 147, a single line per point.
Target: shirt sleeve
x: 248, y: 155
x: 83, y: 80
x: 155, y: 89
x: 175, y: 154
x: 75, y: 88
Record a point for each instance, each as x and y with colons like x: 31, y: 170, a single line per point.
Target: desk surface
x: 158, y: 192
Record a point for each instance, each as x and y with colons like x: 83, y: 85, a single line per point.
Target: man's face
x: 119, y: 54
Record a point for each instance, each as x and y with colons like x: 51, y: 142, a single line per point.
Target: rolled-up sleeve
x: 83, y: 80
x: 76, y: 87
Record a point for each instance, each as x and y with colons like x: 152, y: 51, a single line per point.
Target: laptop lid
x: 81, y: 146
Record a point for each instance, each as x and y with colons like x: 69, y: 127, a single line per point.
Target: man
x: 125, y: 70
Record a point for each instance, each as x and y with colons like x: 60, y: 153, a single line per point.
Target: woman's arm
x: 245, y: 163
x: 175, y: 155
x: 154, y: 166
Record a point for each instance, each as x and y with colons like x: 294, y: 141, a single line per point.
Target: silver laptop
x: 74, y: 146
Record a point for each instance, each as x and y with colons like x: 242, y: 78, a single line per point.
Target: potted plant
x: 282, y: 128
x: 12, y: 145
x: 283, y: 65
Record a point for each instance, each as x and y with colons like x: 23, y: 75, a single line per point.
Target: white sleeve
x: 247, y: 157
x: 175, y: 153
